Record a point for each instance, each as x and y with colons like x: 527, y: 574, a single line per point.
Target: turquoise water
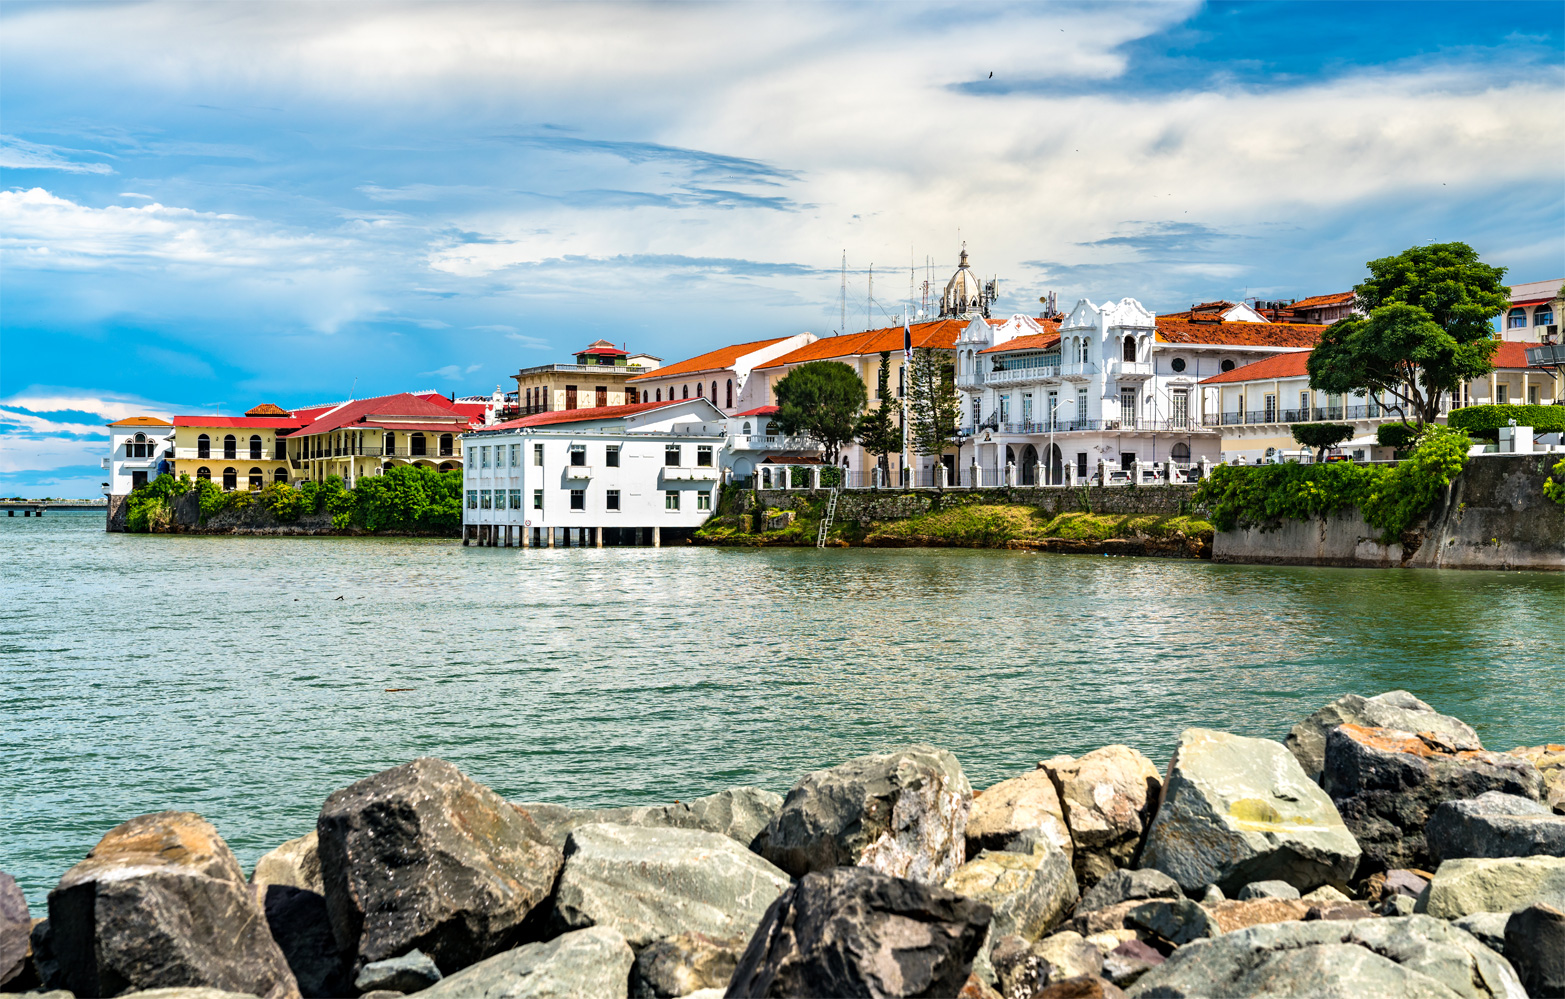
x: 224, y: 675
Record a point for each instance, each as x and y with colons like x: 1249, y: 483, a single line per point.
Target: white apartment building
x: 136, y: 445
x: 721, y: 375
x: 617, y: 475
x: 1534, y: 315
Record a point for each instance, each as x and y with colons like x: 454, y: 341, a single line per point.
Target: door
x: 1127, y: 461
x: 570, y: 397
x: 1056, y: 465
x: 603, y: 396
x: 1029, y: 467
x: 138, y: 479
x: 1127, y: 408
x: 1181, y: 415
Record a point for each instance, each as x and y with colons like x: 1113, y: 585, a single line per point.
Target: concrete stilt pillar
x: 467, y: 532
x: 597, y: 536
x: 657, y: 537
x: 550, y: 532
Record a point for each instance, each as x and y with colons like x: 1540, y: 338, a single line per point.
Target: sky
x: 208, y: 206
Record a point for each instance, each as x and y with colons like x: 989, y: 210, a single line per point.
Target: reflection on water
x: 225, y: 676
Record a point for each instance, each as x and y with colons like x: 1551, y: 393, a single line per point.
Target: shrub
x: 285, y: 502
x: 1484, y: 422
x: 1396, y: 435
x: 1320, y: 436
x: 150, y: 509
x: 1555, y: 490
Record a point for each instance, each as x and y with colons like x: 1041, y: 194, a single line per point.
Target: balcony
x: 770, y: 442
x: 578, y: 471
x: 970, y: 380
x: 1081, y: 426
x: 1131, y: 370
x: 1082, y: 372
x: 1024, y: 376
x: 700, y: 473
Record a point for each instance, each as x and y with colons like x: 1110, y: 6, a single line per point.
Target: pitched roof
x: 941, y: 334
x: 603, y: 348
x: 267, y: 409
x: 1320, y: 301
x: 1293, y: 364
x: 1238, y: 334
x: 1511, y: 354
x: 232, y: 422
x: 1037, y: 341
x: 401, y: 408
x: 712, y: 360
x: 758, y: 411
x: 141, y: 421
x: 584, y: 415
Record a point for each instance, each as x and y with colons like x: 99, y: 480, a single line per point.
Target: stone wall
x: 1493, y: 516
x: 889, y: 504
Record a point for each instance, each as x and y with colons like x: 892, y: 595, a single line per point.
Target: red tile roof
x: 758, y: 411
x: 141, y: 421
x: 1289, y: 365
x: 712, y: 360
x: 1037, y: 341
x: 248, y: 422
x: 584, y: 415
x: 267, y: 409
x: 940, y: 334
x: 602, y: 348
x: 1320, y: 301
x: 1511, y: 354
x: 1238, y: 334
x: 400, y: 409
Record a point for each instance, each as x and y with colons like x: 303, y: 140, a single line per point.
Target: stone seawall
x: 887, y: 504
x: 1493, y: 516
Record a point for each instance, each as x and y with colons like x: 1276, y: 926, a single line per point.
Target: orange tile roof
x: 141, y: 421
x: 1037, y: 341
x: 267, y: 409
x: 712, y: 360
x: 1511, y: 354
x: 1238, y: 334
x: 1290, y: 365
x: 1318, y: 301
x: 940, y: 334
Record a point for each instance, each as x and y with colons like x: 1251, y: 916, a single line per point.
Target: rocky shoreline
x: 1377, y: 850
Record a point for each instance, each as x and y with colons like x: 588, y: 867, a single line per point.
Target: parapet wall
x: 889, y: 504
x: 1493, y: 516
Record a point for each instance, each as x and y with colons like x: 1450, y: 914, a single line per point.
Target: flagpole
x: 907, y: 386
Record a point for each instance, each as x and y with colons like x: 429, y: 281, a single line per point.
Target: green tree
x: 934, y: 408
x: 878, y: 432
x: 1426, y: 329
x: 1321, y: 436
x: 821, y: 399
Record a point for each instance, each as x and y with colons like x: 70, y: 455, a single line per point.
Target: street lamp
x: 1048, y: 465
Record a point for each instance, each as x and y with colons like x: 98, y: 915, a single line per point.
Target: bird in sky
x: 991, y: 74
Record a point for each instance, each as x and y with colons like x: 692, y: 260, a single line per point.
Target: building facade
x: 137, y: 445
x: 368, y: 436
x: 599, y: 378
x: 722, y: 376
x: 234, y: 452
x: 1534, y: 315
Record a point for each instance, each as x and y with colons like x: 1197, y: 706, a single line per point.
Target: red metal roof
x: 1290, y: 365
x: 247, y: 422
x: 758, y: 411
x: 712, y: 360
x: 399, y: 409
x: 940, y: 334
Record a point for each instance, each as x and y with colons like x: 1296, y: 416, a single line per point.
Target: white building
x: 136, y: 445
x: 618, y: 475
x: 721, y: 375
x: 1534, y: 315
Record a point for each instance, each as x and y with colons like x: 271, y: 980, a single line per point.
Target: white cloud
x: 108, y: 405
x: 37, y: 454
x: 19, y: 154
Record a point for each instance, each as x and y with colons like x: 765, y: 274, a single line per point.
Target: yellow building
x: 366, y: 436
x: 235, y: 452
x: 597, y: 379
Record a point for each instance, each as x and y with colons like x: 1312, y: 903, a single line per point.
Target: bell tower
x: 966, y: 297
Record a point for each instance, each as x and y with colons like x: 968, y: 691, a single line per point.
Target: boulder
x: 16, y: 926
x: 587, y: 964
x: 1384, y: 884
x: 1386, y: 782
x: 1326, y: 895
x: 1028, y: 894
x: 739, y: 813
x: 301, y: 926
x: 1126, y: 963
x: 1177, y: 921
x: 653, y: 882
x: 1480, y: 884
x: 1235, y: 914
x: 685, y: 963
x: 1395, y: 709
x: 1236, y: 810
x: 1488, y: 928
x: 1067, y: 955
x: 296, y: 863
x: 1108, y: 797
x: 1494, y: 824
x: 1212, y: 894
x: 162, y: 902
x: 902, y: 814
x: 1267, y: 889
x: 1109, y: 919
x: 1014, y: 814
x: 1397, y: 905
x: 1550, y: 761
x: 853, y: 931
x: 1082, y: 987
x: 411, y: 972
x: 1121, y: 885
x: 1535, y: 945
x: 179, y: 992
x: 423, y: 856
x: 1411, y: 958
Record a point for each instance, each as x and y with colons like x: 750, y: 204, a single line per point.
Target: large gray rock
x: 1415, y: 957
x: 1488, y: 928
x: 1177, y: 921
x: 650, y: 882
x: 1121, y: 886
x: 1267, y: 889
x: 1396, y: 709
x: 687, y: 962
x: 1385, y: 784
x: 300, y: 924
x: 1237, y: 810
x: 739, y: 813
x: 411, y: 972
x: 1494, y: 824
x: 588, y: 964
x: 296, y: 863
x: 162, y: 902
x: 853, y: 931
x: 16, y: 925
x: 1108, y: 797
x: 1028, y: 893
x: 1535, y: 945
x: 1014, y: 814
x: 423, y: 856
x: 1550, y: 761
x: 1481, y: 884
x: 902, y: 814
x: 1021, y: 968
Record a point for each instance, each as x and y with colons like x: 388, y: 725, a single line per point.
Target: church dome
x: 965, y: 295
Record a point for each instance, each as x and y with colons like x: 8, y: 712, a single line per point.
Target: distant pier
x: 35, y: 508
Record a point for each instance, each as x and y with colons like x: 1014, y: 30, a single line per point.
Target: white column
x: 1103, y: 472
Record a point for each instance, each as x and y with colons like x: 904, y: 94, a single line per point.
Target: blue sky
x: 207, y: 206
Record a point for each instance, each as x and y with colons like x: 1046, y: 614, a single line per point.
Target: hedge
x: 1486, y: 421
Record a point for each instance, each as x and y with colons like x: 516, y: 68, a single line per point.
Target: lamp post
x: 1049, y: 461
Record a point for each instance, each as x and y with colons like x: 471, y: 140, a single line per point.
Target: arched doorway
x: 230, y: 480
x: 280, y: 475
x: 1130, y: 348
x: 1029, y: 466
x: 1056, y: 465
x: 257, y: 478
x: 204, y: 447
x: 1181, y: 453
x: 230, y: 447
x: 448, y: 466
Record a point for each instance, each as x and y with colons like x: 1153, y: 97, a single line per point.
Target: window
x: 279, y: 449
x: 537, y: 499
x: 1127, y: 407
x: 728, y: 396
x: 416, y: 444
x: 204, y: 473
x: 230, y: 479
x: 611, y: 499
x: 1181, y: 453
x: 660, y: 395
x: 204, y: 447
x: 257, y: 478
x: 746, y: 430
x: 703, y: 501
x: 1130, y: 348
x: 1271, y: 408
x: 1081, y: 464
x: 1026, y: 407
x: 671, y: 455
x: 611, y: 456
x: 714, y: 393
x: 1005, y: 409
x: 977, y: 412
x: 255, y: 447
x: 1543, y: 315
x: 538, y: 455
x: 389, y: 444
x: 280, y: 475
x: 632, y: 396
x: 1081, y: 407
x: 445, y: 446
x: 1532, y: 395
x: 578, y: 456
x: 578, y: 499
x: 483, y: 457
x: 1518, y: 319
x: 472, y: 499
x: 901, y: 380
x: 671, y: 499
x: 1181, y: 407
x: 486, y: 499
x: 1502, y: 393
x: 1178, y: 364
x: 516, y: 499
x: 230, y: 447
x: 687, y: 392
x: 603, y: 396
x: 700, y: 390
x: 1304, y: 405
x: 704, y: 456
x: 516, y: 458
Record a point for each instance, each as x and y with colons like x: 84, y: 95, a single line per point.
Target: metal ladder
x: 831, y: 512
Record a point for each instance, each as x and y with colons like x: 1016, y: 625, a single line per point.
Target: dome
x: 965, y: 295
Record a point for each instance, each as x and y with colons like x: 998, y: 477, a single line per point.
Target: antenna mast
x: 869, y: 307
x: 842, y: 327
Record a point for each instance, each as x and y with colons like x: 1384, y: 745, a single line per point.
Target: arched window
x: 389, y: 444
x: 230, y: 447
x: 204, y: 473
x: 714, y: 393
x: 1130, y: 348
x: 729, y: 395
x: 204, y: 448
x: 660, y: 395
x: 1518, y: 319
x: 230, y: 480
x: 257, y: 478
x: 281, y: 475
x: 255, y: 447
x: 1181, y: 453
x: 416, y: 444
x: 700, y: 390
x: 1543, y: 315
x: 747, y: 428
x: 687, y: 391
x: 445, y: 445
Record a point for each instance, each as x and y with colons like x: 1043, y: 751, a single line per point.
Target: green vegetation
x: 1484, y: 422
x: 1426, y: 330
x: 1555, y: 490
x: 996, y: 525
x: 1396, y: 435
x: 1321, y: 436
x: 822, y: 399
x: 933, y: 406
x: 1389, y: 498
x: 878, y: 432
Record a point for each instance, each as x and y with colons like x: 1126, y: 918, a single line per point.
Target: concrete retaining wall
x: 1493, y: 516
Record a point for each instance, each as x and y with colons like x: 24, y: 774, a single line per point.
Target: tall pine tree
x: 878, y: 431
x: 934, y: 407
